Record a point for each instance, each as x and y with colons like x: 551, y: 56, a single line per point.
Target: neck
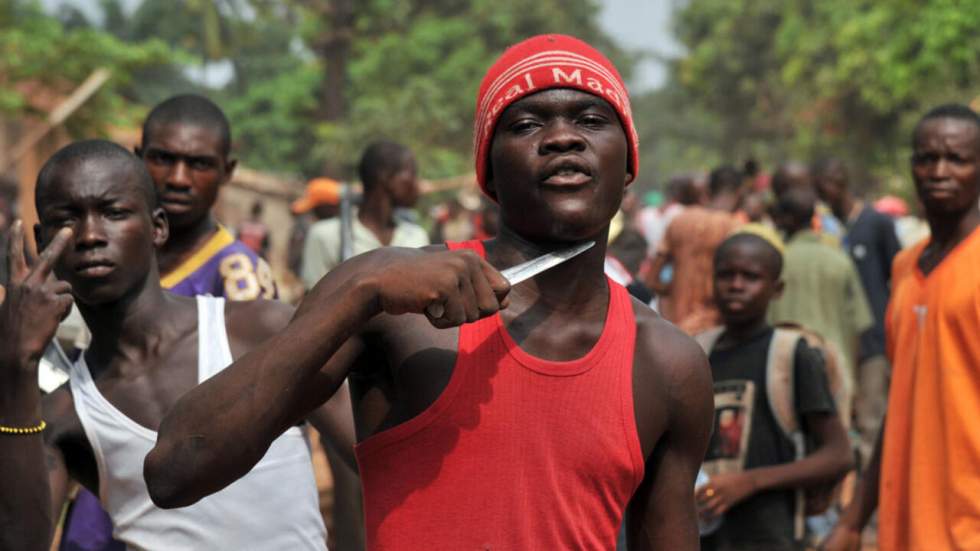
x: 571, y: 285
x: 376, y: 211
x: 186, y: 240
x: 948, y: 231
x: 740, y: 331
x: 128, y: 325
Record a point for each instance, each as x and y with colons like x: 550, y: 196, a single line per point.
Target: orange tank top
x: 930, y: 472
x: 516, y: 453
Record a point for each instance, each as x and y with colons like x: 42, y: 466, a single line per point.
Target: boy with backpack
x: 779, y: 445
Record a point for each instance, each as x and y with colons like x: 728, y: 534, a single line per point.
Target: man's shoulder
x: 237, y: 247
x: 253, y: 321
x: 693, y: 214
x: 813, y: 251
x: 904, y: 262
x: 411, y: 234
x: 874, y: 222
x: 664, y: 348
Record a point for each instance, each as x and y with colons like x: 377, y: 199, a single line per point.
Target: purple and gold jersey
x: 223, y: 266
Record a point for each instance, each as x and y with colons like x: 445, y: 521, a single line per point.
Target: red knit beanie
x: 541, y: 63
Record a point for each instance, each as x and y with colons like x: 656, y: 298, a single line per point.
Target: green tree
x: 38, y: 48
x: 315, y: 80
x: 415, y: 67
x: 845, y: 77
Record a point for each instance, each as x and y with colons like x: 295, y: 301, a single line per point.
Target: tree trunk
x: 334, y: 49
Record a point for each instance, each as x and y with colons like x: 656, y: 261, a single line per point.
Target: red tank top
x: 517, y: 453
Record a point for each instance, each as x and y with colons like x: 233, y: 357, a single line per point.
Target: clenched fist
x: 451, y: 287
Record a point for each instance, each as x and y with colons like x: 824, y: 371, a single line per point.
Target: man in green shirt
x: 823, y: 290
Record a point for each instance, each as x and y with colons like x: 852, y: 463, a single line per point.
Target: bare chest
x: 144, y: 393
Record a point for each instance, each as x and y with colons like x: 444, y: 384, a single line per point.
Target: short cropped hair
x: 771, y: 256
x: 190, y: 109
x: 956, y: 111
x: 724, y: 179
x: 101, y: 150
x: 380, y: 159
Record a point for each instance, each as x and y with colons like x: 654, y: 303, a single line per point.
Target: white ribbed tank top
x: 274, y: 506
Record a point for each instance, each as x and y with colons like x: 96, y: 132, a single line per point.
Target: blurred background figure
x: 872, y: 244
x: 253, y: 232
x: 487, y: 220
x: 796, y: 175
x: 661, y: 208
x: 320, y: 201
x: 456, y: 219
x: 823, y: 290
x: 390, y: 179
x: 689, y: 246
x: 754, y: 208
x: 625, y: 256
x: 910, y: 228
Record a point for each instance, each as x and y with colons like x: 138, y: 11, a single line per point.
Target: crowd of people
x: 716, y: 370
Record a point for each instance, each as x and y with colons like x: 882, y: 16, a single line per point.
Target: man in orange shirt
x: 689, y: 245
x: 924, y: 471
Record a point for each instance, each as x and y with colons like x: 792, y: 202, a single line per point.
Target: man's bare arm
x: 847, y: 534
x: 29, y: 316
x: 219, y: 430
x: 25, y: 503
x: 249, y: 324
x: 335, y: 421
x: 662, y: 513
x: 830, y: 461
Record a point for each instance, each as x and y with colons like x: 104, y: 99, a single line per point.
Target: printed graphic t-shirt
x: 765, y: 520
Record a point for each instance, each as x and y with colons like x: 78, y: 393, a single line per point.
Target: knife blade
x: 526, y: 270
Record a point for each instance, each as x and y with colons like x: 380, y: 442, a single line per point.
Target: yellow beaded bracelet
x: 23, y: 430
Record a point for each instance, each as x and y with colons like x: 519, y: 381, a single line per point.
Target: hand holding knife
x: 526, y: 270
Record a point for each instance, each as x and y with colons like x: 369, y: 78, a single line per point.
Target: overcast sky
x: 640, y: 25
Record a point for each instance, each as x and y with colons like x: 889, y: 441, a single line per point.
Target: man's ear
x: 629, y: 178
x: 161, y: 227
x: 778, y: 288
x: 230, y: 166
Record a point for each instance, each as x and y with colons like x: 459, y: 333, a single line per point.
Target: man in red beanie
x: 532, y: 417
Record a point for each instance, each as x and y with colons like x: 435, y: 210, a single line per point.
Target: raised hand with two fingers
x: 35, y: 301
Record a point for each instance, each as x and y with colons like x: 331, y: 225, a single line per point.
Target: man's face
x: 793, y: 175
x: 744, y: 283
x: 403, y: 185
x: 115, y: 234
x: 188, y: 167
x: 558, y: 165
x: 830, y: 185
x: 946, y: 165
